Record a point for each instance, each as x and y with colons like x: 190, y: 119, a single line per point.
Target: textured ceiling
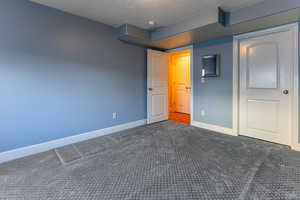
x: 139, y: 12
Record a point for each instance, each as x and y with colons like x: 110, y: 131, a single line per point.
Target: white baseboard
x: 228, y: 131
x: 296, y: 147
x: 219, y: 129
x: 38, y: 148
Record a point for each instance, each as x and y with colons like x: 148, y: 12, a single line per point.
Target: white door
x: 181, y: 82
x: 265, y: 86
x: 157, y: 82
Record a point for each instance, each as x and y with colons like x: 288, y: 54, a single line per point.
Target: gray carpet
x: 160, y: 161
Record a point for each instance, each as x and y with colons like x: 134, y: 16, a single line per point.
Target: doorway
x: 169, y: 85
x: 266, y: 85
x: 180, y: 86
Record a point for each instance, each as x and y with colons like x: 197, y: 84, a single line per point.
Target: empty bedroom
x: 149, y: 100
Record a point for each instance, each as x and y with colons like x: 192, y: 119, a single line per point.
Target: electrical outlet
x: 202, y: 112
x: 114, y: 115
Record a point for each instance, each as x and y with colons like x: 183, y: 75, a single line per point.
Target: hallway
x: 180, y: 117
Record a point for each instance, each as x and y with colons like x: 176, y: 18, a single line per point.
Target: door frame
x: 294, y: 27
x: 190, y: 47
x: 172, y: 70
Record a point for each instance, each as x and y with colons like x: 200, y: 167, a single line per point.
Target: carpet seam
x: 59, y: 157
x: 77, y: 150
x: 248, y: 185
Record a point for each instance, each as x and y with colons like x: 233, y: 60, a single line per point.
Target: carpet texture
x: 161, y: 161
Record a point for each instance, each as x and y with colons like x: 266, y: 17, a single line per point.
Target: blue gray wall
x: 61, y: 75
x: 215, y: 95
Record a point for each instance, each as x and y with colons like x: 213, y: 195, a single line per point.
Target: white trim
x: 148, y: 84
x: 296, y: 147
x: 219, y: 129
x: 180, y: 49
x: 295, y: 112
x: 192, y: 83
x: 38, y: 148
x: 191, y: 48
x: 282, y: 28
x: 235, y: 87
x: 295, y: 98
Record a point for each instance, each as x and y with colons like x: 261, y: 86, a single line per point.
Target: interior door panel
x: 265, y: 72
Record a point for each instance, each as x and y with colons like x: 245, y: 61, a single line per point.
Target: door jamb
x: 294, y: 27
x: 191, y: 75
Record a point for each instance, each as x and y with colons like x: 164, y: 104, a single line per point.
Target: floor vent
x: 68, y: 154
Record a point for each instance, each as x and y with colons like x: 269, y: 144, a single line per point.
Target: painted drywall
x: 214, y: 96
x: 62, y: 75
x: 262, y: 9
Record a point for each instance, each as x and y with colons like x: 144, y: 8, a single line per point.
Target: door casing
x: 294, y: 78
